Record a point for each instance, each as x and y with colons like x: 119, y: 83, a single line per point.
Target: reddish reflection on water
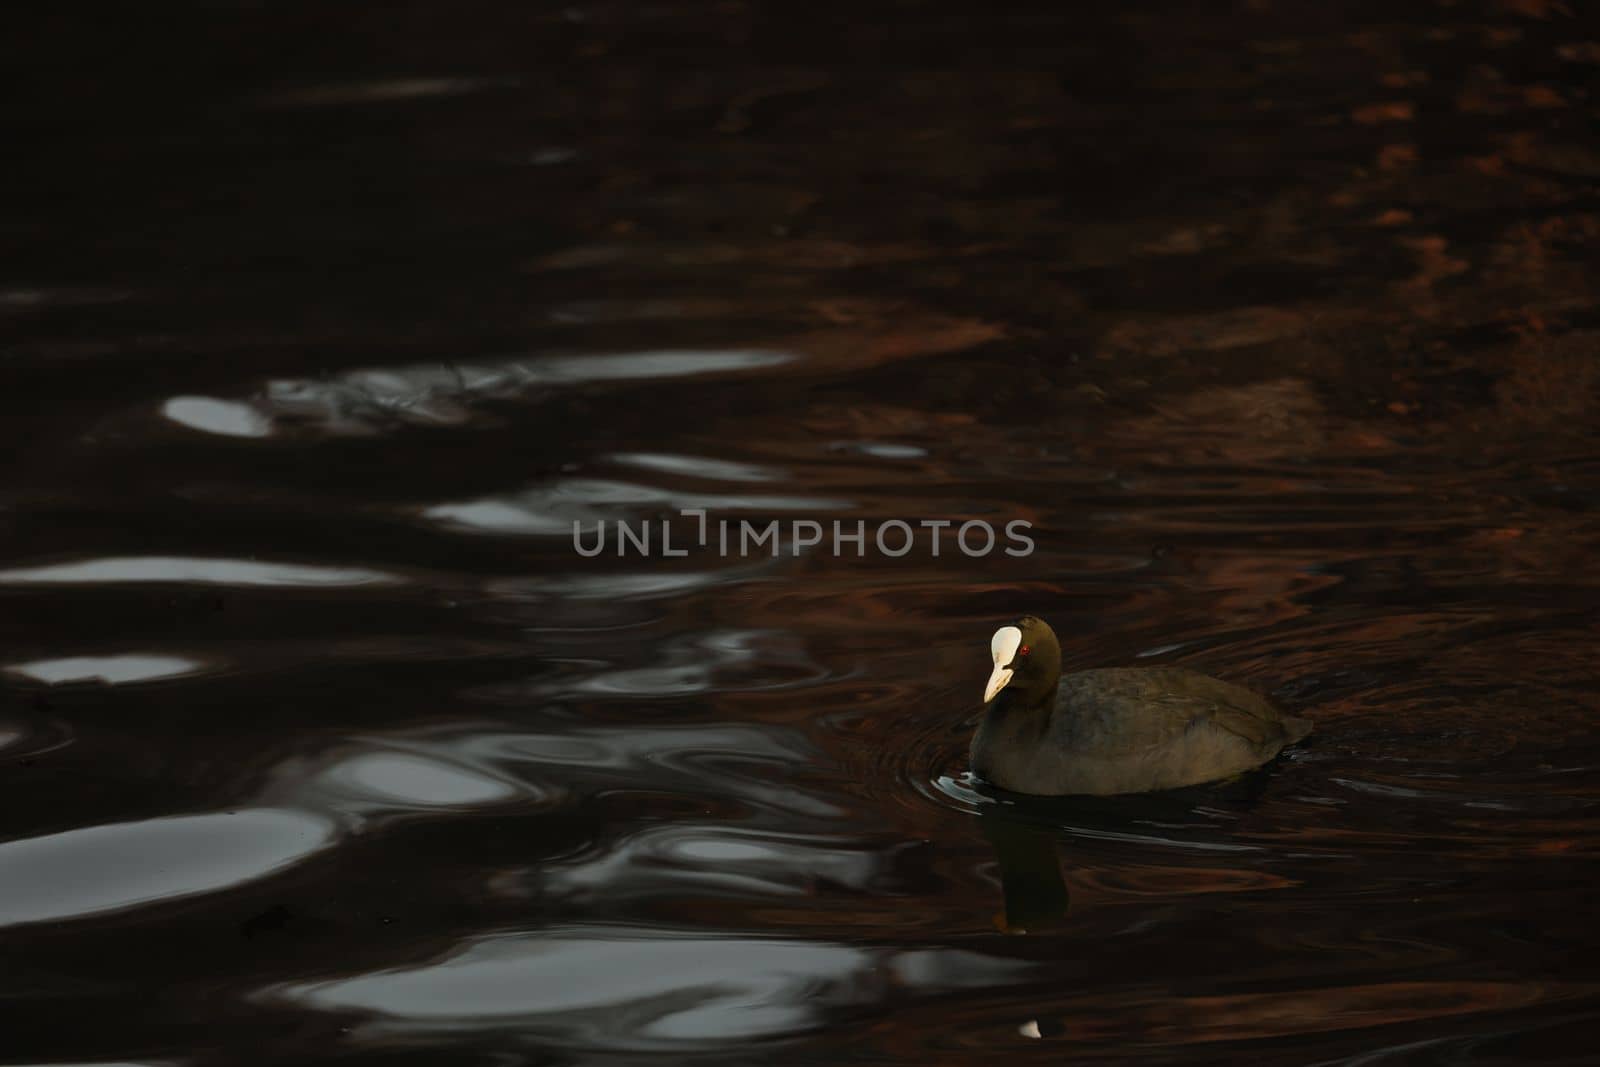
x: 319, y: 742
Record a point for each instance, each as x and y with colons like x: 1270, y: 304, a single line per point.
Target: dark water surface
x: 322, y: 322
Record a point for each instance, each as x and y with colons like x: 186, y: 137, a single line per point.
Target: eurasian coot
x: 1114, y: 730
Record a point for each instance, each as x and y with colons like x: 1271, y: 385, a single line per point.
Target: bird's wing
x: 1118, y: 712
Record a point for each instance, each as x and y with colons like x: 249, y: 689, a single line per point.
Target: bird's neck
x: 1009, y: 734
x: 1009, y: 706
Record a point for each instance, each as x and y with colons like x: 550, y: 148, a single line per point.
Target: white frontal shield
x: 1003, y: 647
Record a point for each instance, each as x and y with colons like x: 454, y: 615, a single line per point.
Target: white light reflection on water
x: 112, y: 670
x: 552, y: 509
x: 704, y: 467
x: 227, y: 418
x: 383, y: 777
x: 189, y: 569
x: 582, y: 982
x: 599, y: 986
x: 362, y: 401
x: 96, y: 869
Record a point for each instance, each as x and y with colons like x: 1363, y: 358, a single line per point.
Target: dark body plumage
x: 1121, y: 730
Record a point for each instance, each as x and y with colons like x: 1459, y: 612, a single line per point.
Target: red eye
x: 1024, y: 650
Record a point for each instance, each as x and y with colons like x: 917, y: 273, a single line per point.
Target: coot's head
x: 1027, y: 661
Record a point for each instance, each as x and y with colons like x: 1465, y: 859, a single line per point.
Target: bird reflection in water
x: 1026, y: 835
x: 1036, y: 895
